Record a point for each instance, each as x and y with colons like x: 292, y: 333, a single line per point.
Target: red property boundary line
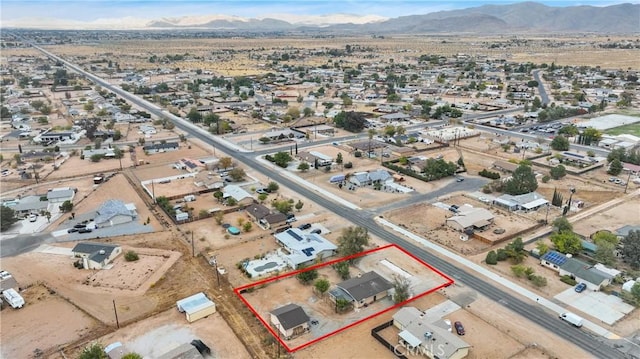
x: 241, y: 289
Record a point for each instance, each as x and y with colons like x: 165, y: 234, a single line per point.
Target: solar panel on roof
x: 555, y: 258
x: 294, y: 235
x: 308, y: 251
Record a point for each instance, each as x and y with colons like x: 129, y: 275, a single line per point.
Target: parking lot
x: 607, y: 308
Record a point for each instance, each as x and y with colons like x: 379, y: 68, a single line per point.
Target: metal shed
x: 196, y: 307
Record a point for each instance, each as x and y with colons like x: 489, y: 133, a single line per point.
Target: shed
x: 290, y: 320
x: 196, y: 307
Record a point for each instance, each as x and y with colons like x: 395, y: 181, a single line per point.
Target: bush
x: 538, y: 280
x: 489, y: 174
x: 567, y: 279
x: 492, y: 258
x: 502, y: 255
x: 545, y: 179
x: 357, y: 154
x: 348, y: 165
x: 131, y: 256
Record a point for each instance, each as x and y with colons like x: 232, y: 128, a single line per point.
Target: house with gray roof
x: 60, y: 195
x: 422, y: 335
x: 592, y: 276
x: 623, y: 231
x: 161, y: 147
x: 369, y: 178
x: 525, y: 202
x: 304, y: 248
x: 470, y: 218
x: 290, y: 320
x: 29, y: 204
x: 362, y: 290
x: 241, y: 196
x: 96, y: 255
x: 113, y: 212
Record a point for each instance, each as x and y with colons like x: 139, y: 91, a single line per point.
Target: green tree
x: 558, y: 172
x: 339, y: 159
x: 262, y: 197
x: 89, y: 106
x: 225, y: 162
x: 352, y: 241
x: 538, y: 280
x: 307, y: 112
x: 342, y: 268
x: 542, y: 248
x: 282, y: 159
x: 231, y: 201
x: 401, y: 289
x: 194, y: 115
x: 7, y: 217
x: 294, y: 112
x: 321, y: 285
x: 303, y: 167
x: 93, y: 351
x: 299, y: 205
x: 247, y: 226
x: 631, y: 249
x: 615, y: 167
x: 237, y: 174
x: 273, y: 187
x: 132, y: 356
x: 518, y: 270
x: 562, y: 225
x: 66, y: 206
x: 282, y: 206
x: 307, y: 276
x: 566, y: 242
x: 522, y: 181
x: 605, y: 253
x: 492, y: 258
x: 560, y: 143
x: 604, y: 236
x: 131, y: 256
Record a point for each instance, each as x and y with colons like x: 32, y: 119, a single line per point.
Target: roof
x: 554, y: 257
x: 507, y: 166
x: 184, y: 351
x: 236, y: 192
x: 112, y: 208
x: 584, y: 271
x: 94, y: 250
x: 527, y: 201
x: 290, y: 316
x: 624, y: 230
x: 161, y: 146
x: 303, y: 247
x: 194, y: 303
x: 365, y: 286
x: 275, y: 217
x: 61, y: 193
x: 258, y: 211
x: 30, y: 203
x: 477, y: 217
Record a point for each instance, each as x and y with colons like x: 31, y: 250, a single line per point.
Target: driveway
x: 608, y: 308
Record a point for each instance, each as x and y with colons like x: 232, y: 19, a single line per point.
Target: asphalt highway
x: 595, y: 345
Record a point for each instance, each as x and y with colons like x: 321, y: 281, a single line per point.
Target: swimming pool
x: 233, y: 230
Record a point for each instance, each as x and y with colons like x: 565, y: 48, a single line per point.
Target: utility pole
x: 193, y: 246
x: 116, y: 313
x: 626, y: 185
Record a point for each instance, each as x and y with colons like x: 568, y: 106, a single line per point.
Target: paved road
x: 544, y: 98
x: 593, y: 344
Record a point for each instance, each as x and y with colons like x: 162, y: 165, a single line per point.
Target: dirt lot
x: 47, y: 320
x: 611, y: 219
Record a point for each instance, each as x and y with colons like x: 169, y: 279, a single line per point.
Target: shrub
x: 545, y: 179
x: 489, y: 174
x: 348, y: 165
x: 502, y: 255
x: 567, y: 279
x: 131, y: 256
x: 492, y: 258
x: 538, y: 280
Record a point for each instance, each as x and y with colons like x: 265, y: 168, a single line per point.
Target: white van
x: 572, y: 318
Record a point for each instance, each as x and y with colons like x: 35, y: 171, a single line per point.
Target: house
x: 582, y: 272
x: 96, y: 255
x: 182, y: 351
x: 114, y: 212
x: 161, y: 147
x: 290, y: 320
x: 196, y: 307
x: 257, y: 211
x: 54, y: 136
x: 315, y: 158
x: 304, y: 249
x: 469, y: 219
x: 397, y: 116
x: 504, y: 166
x: 623, y: 231
x: 273, y: 220
x: 241, y: 196
x: 420, y: 334
x: 27, y: 205
x: 104, y: 152
x: 525, y: 202
x: 60, y: 195
x: 362, y: 290
x: 285, y: 134
x: 369, y: 178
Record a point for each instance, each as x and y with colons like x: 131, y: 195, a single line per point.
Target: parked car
x: 33, y: 217
x: 80, y: 225
x: 305, y: 226
x: 72, y: 230
x: 202, y: 347
x: 262, y: 191
x: 459, y: 328
x: 459, y: 179
x: 581, y: 287
x: 317, y: 231
x: 85, y: 230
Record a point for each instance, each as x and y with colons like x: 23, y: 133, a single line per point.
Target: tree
x: 225, y: 162
x: 342, y: 268
x: 307, y: 276
x: 566, y: 242
x: 96, y: 157
x: 352, y: 241
x: 89, y: 106
x: 247, y: 226
x: 307, y: 112
x: 542, y: 248
x: 283, y: 206
x: 631, y: 249
x: 557, y: 198
x: 321, y: 285
x: 604, y: 236
x: 299, y: 205
x: 350, y: 121
x: 231, y: 201
x: 605, y: 253
x: 562, y: 225
x: 615, y: 167
x: 93, y: 351
x: 401, y: 289
x: 492, y: 258
x: 558, y: 172
x: 272, y: 187
x: 7, y: 217
x: 66, y: 206
x: 237, y: 174
x: 97, y: 143
x: 523, y: 181
x: 282, y: 159
x: 560, y: 143
x: 131, y: 256
x: 303, y: 167
x: 518, y: 270
x: 294, y: 112
x: 339, y: 158
x: 194, y: 115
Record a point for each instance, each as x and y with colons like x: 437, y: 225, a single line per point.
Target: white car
x: 33, y: 217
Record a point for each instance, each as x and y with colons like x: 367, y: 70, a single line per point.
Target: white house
x: 303, y: 249
x: 113, y: 212
x: 470, y: 218
x: 60, y: 195
x: 196, y: 307
x: 96, y: 255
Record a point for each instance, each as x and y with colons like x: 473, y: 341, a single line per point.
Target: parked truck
x: 13, y: 298
x: 572, y: 318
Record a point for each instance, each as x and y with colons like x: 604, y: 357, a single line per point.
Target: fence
x: 381, y: 340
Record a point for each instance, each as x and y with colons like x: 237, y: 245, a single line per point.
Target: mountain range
x: 521, y: 17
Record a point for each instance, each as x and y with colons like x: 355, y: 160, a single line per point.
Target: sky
x: 90, y: 10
